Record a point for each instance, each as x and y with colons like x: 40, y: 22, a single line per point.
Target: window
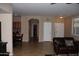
x: 75, y: 27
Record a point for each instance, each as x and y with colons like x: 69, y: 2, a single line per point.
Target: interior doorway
x: 47, y: 29
x: 33, y: 30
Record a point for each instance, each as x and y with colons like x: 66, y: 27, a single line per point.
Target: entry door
x: 47, y: 31
x: 59, y: 29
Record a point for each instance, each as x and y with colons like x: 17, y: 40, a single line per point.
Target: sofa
x: 64, y: 45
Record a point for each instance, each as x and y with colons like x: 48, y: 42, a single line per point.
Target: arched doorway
x: 33, y: 30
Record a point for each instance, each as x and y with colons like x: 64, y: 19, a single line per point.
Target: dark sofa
x: 64, y: 45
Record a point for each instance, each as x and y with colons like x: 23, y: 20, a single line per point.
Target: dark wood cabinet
x: 17, y: 26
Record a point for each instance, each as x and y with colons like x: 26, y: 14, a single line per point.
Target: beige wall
x: 25, y: 26
x: 25, y: 29
x: 68, y: 26
x: 6, y: 33
x: 6, y: 26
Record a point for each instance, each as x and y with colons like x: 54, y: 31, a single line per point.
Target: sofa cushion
x: 69, y: 42
x: 59, y: 41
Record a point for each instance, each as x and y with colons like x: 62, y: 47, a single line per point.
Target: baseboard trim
x: 25, y: 41
x: 11, y: 54
x: 45, y: 41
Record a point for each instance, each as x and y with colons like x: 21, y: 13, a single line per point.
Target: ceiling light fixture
x: 61, y: 17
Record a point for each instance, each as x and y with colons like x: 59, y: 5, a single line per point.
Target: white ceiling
x: 45, y: 9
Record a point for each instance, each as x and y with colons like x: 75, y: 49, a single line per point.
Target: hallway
x: 34, y: 49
